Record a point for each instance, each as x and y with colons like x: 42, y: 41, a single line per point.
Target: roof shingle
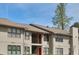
x: 24, y: 26
x: 53, y: 30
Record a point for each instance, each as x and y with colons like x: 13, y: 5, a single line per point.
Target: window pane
x: 59, y: 39
x: 18, y: 31
x: 14, y: 48
x: 14, y: 30
x: 18, y: 52
x: 59, y: 51
x: 18, y: 48
x: 25, y: 50
x: 9, y: 47
x: 13, y: 52
x: 28, y: 50
x: 27, y: 35
x: 9, y: 52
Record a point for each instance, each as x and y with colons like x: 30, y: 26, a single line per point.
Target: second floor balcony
x: 36, y: 38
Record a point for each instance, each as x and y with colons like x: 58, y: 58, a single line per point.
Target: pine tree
x: 60, y: 19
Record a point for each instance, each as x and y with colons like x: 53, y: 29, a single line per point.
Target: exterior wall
x: 5, y: 41
x: 75, y: 40
x: 28, y: 42
x: 3, y: 38
x: 44, y: 44
x: 51, y: 45
x: 65, y: 45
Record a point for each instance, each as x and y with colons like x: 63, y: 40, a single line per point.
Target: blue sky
x: 36, y: 13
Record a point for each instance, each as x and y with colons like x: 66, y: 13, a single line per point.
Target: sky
x: 37, y: 13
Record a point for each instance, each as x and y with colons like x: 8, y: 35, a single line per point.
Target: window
x: 27, y: 35
x: 13, y: 32
x: 18, y: 33
x: 46, y: 50
x: 59, y: 51
x: 14, y: 49
x: 26, y: 50
x: 59, y: 39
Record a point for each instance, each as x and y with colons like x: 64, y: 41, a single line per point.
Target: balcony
x: 36, y: 38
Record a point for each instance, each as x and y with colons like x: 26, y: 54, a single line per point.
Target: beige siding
x: 5, y: 41
x: 44, y: 44
x: 65, y: 45
x: 75, y: 40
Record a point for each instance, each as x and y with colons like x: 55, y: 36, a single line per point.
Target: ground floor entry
x: 36, y: 50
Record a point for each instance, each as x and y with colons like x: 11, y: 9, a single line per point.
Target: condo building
x: 34, y: 39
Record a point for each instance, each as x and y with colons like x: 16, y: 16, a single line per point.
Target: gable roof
x: 52, y: 30
x: 6, y: 22
x: 32, y: 28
